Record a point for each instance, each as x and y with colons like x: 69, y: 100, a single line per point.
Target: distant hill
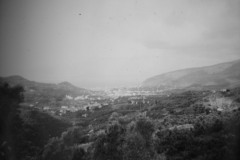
x: 47, y: 89
x: 223, y: 75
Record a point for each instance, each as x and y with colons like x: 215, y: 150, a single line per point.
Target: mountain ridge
x: 222, y: 74
x: 64, y: 87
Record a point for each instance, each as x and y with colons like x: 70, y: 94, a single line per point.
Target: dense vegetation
x: 174, y: 127
x: 23, y: 131
x: 214, y: 136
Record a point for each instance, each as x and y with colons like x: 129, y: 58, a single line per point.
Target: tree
x: 109, y: 146
x: 135, y: 148
x: 10, y: 122
x: 138, y: 142
x: 145, y: 127
x: 79, y: 154
x: 62, y: 148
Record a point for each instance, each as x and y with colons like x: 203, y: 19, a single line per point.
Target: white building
x: 46, y: 108
x: 69, y: 97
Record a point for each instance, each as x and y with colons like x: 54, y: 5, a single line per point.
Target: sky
x: 112, y: 43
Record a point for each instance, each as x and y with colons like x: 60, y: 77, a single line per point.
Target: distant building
x: 104, y: 104
x: 219, y: 109
x: 69, y: 97
x: 53, y: 112
x: 80, y: 98
x: 62, y: 111
x: 95, y: 105
x: 64, y: 107
x: 213, y: 91
x: 72, y: 109
x: 182, y: 127
x: 225, y: 90
x: 46, y: 108
x: 84, y: 115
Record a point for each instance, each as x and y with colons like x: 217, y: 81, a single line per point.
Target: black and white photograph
x: 119, y: 79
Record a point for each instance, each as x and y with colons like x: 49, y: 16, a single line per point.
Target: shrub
x: 109, y: 145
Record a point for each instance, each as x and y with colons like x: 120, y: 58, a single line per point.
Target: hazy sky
x: 97, y: 43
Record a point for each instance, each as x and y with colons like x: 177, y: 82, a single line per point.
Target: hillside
x: 49, y: 88
x: 174, y: 126
x: 222, y: 75
x: 45, y: 93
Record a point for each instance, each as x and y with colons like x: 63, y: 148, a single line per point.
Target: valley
x: 65, y: 115
x: 119, y: 80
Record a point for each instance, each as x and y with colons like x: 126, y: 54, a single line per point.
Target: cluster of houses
x: 138, y: 100
x: 87, y: 107
x: 65, y: 109
x: 116, y: 93
x: 74, y: 104
x: 83, y: 97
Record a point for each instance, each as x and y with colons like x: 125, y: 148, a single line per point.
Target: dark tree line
x: 23, y: 132
x: 10, y: 122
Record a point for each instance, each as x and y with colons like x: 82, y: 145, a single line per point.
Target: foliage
x: 120, y: 134
x: 10, y: 122
x: 79, y: 154
x: 109, y: 145
x: 208, y: 140
x: 145, y: 127
x: 24, y: 131
x: 135, y: 148
x: 66, y: 146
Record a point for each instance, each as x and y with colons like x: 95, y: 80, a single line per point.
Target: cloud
x: 114, y: 41
x: 207, y: 27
